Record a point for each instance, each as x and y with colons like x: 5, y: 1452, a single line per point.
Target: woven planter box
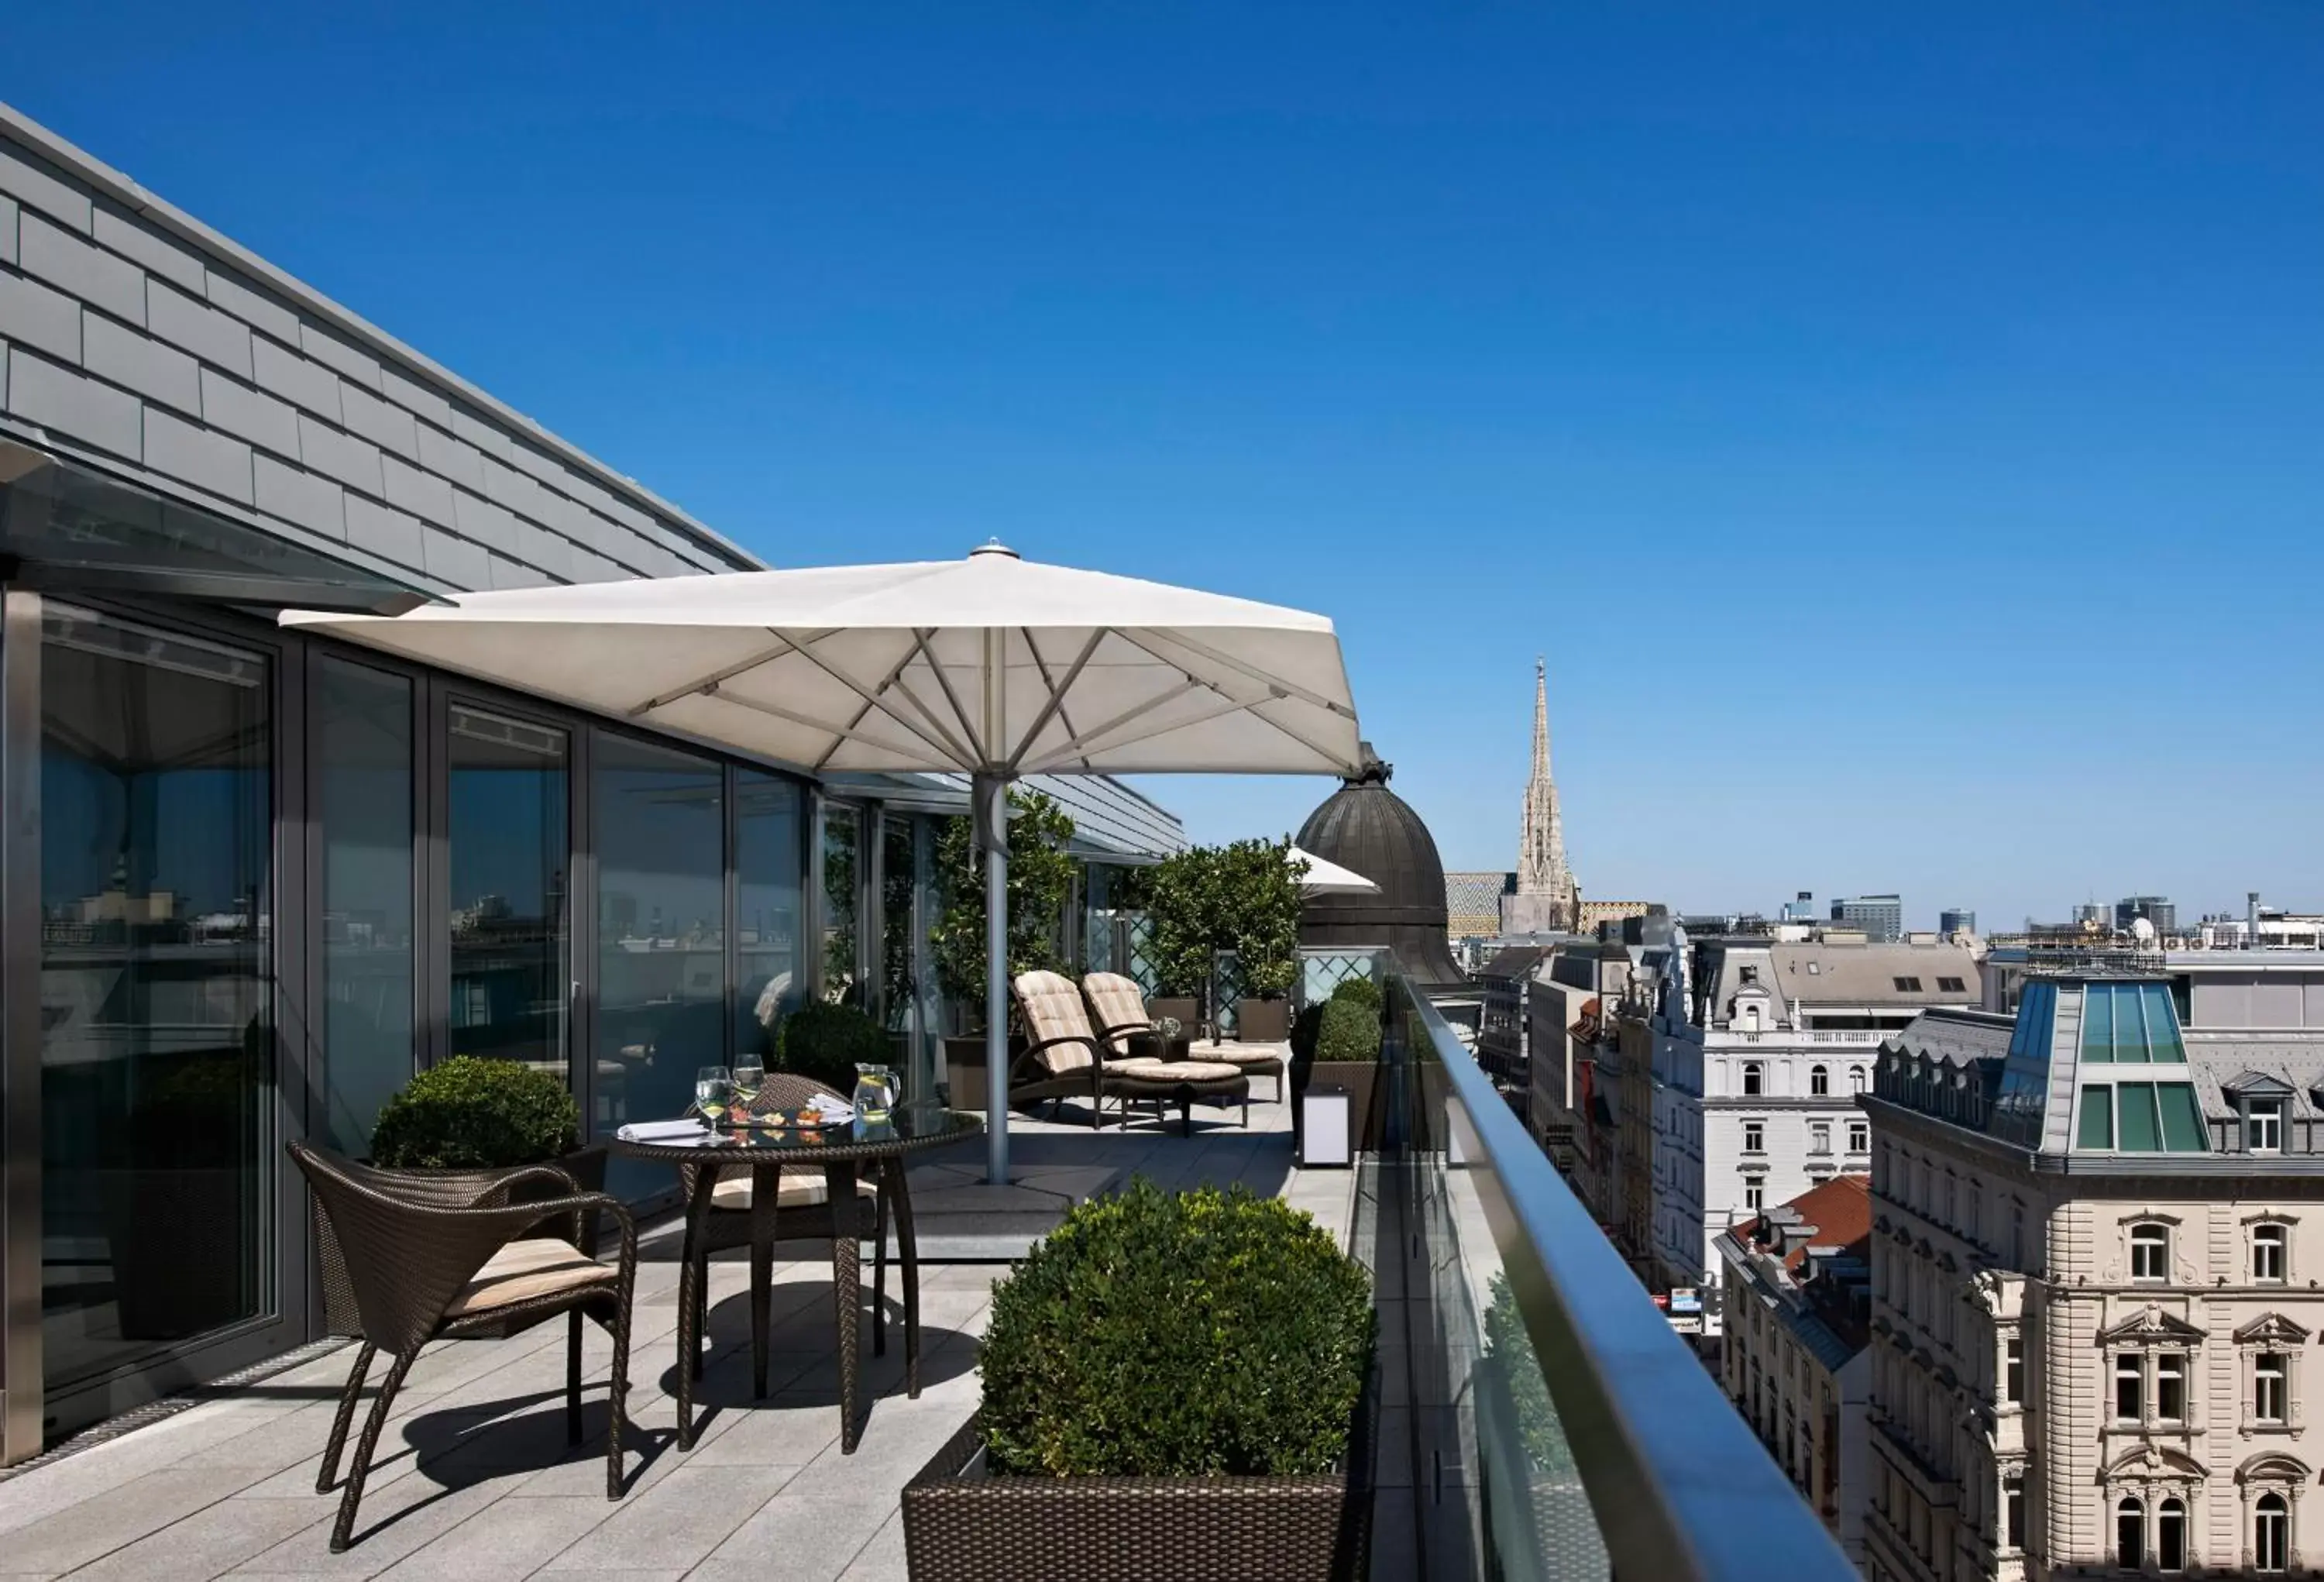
x: 1260, y: 1021
x: 964, y: 1524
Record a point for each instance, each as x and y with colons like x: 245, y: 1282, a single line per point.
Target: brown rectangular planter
x: 1262, y: 1020
x: 962, y: 1524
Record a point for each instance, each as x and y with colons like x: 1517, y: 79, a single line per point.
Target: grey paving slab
x: 677, y: 1522
x: 210, y: 1542
x: 116, y: 1519
x: 512, y: 1538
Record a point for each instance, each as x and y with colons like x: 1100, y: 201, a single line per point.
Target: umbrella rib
x: 1085, y: 748
x: 856, y: 687
x: 968, y: 727
x: 1320, y: 752
x: 1058, y: 690
x: 710, y: 683
x: 1074, y: 747
x: 776, y: 711
x: 838, y: 742
x: 1290, y: 689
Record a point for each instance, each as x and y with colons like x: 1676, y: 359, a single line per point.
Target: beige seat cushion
x: 537, y: 1266
x: 1052, y: 1009
x: 1240, y: 1054
x: 1118, y: 1003
x: 1168, y: 1073
x: 804, y: 1188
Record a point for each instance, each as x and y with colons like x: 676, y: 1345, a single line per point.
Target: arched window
x: 2271, y: 1533
x: 2150, y: 1253
x: 2267, y: 1253
x: 2130, y: 1534
x: 1820, y: 1081
x: 2171, y: 1536
x: 1753, y: 1079
x: 1856, y: 1079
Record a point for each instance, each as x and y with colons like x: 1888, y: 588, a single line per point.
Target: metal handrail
x: 1678, y: 1483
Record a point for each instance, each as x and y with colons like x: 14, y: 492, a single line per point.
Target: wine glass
x: 713, y: 1087
x: 750, y: 1076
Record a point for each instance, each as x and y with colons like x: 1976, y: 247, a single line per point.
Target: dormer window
x: 1908, y: 986
x: 1750, y: 975
x: 2264, y: 1125
x: 1754, y: 1078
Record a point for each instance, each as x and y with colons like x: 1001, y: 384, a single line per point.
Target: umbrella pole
x: 991, y: 810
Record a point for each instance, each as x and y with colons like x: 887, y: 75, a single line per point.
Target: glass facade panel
x: 843, y: 839
x: 157, y: 1061
x: 660, y: 819
x: 768, y: 849
x: 2096, y: 1127
x: 2141, y: 1127
x: 2098, y: 1022
x: 2182, y: 1119
x: 510, y: 843
x: 364, y: 806
x: 2163, y: 1040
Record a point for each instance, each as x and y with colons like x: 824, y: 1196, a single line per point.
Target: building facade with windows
x: 2095, y: 1236
x: 1788, y: 1033
x: 1881, y: 918
x: 1795, y: 1294
x: 251, y: 879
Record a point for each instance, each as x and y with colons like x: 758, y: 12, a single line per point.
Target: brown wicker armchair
x: 803, y: 1212
x: 422, y: 1271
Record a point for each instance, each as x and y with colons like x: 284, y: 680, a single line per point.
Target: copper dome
x: 1368, y: 827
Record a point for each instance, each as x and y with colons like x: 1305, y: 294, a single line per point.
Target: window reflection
x: 509, y: 849
x: 661, y: 945
x: 363, y: 803
x: 156, y: 753
x: 767, y: 853
x: 842, y: 838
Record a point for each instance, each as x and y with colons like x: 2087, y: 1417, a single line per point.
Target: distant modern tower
x: 1548, y: 898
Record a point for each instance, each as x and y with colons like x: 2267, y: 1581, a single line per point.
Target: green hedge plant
x: 1349, y: 1030
x: 1176, y: 1334
x: 827, y: 1042
x: 468, y: 1112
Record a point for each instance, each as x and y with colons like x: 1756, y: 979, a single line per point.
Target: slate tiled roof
x: 135, y: 338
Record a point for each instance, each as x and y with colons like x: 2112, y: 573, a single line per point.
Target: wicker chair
x: 423, y: 1270
x: 803, y: 1212
x: 1067, y: 1058
x: 1120, y: 1007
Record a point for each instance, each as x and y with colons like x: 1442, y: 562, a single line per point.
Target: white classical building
x: 1788, y: 1031
x: 2096, y: 1239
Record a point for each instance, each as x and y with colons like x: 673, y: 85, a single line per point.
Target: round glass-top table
x: 841, y: 1153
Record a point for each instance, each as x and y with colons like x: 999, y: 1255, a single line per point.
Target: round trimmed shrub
x: 1176, y: 1334
x: 1361, y: 990
x: 1349, y: 1030
x: 468, y: 1112
x: 828, y: 1042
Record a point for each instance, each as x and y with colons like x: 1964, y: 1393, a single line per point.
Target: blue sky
x: 1901, y: 433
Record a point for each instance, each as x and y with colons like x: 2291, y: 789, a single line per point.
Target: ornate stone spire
x: 1546, y: 894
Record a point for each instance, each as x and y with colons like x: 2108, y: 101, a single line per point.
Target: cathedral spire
x: 1547, y: 897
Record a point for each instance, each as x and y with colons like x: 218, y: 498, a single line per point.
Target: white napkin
x: 831, y: 1107
x: 660, y: 1130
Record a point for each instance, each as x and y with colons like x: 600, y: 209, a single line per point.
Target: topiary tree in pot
x: 1243, y: 897
x: 1215, y: 1347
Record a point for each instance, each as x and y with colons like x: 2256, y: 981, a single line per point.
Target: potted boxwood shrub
x: 1175, y: 1385
x: 827, y: 1042
x: 1346, y: 1054
x: 455, y: 1131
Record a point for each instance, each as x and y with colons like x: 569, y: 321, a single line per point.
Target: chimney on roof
x: 2251, y: 917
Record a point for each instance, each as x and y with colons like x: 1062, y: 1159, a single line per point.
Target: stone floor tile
x: 391, y: 1523
x: 800, y: 1538
x: 677, y: 1521
x: 509, y: 1538
x: 210, y: 1542
x: 116, y: 1517
x: 882, y: 1559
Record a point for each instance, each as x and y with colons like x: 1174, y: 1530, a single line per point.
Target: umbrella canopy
x: 992, y: 665
x: 1325, y: 878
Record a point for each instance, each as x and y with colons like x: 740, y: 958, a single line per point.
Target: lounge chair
x: 1120, y: 1010
x: 1067, y: 1059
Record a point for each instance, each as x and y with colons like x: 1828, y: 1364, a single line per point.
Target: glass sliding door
x: 157, y: 1057
x: 659, y: 819
x: 508, y: 835
x: 768, y: 849
x: 363, y: 804
x: 842, y: 888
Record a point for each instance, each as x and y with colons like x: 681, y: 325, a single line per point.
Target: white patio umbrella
x: 1325, y: 878
x: 991, y: 665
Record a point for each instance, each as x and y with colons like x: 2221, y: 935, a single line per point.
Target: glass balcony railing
x: 1540, y: 1419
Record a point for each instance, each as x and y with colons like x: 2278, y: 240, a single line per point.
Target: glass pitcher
x: 877, y: 1090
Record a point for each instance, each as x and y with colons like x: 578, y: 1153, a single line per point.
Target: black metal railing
x: 1548, y: 1422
